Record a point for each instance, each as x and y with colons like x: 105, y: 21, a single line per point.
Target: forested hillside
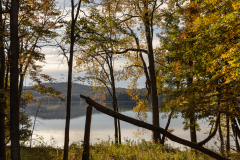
x: 86, y: 90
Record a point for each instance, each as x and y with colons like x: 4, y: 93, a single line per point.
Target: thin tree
x: 100, y: 43
x: 142, y: 12
x: 2, y: 104
x: 69, y: 87
x: 14, y: 102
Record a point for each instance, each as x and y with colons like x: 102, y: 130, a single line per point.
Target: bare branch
x: 130, y: 17
x: 101, y: 80
x: 63, y: 49
x: 213, y: 133
x: 168, y: 123
x: 132, y: 49
x: 134, y: 66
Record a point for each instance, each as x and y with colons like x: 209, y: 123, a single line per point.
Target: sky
x: 56, y: 65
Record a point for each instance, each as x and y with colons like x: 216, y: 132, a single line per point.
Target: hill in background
x: 86, y: 90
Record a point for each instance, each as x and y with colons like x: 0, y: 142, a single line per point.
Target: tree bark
x: 150, y: 127
x: 234, y: 129
x: 85, y: 155
x: 14, y: 100
x: 115, y: 106
x: 115, y: 121
x: 152, y: 75
x: 69, y: 93
x: 167, y: 125
x: 69, y: 87
x: 221, y: 141
x: 192, y: 118
x: 228, y: 136
x: 2, y: 99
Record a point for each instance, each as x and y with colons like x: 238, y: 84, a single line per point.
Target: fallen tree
x: 152, y: 128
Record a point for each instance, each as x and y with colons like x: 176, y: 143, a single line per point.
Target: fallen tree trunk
x: 152, y: 128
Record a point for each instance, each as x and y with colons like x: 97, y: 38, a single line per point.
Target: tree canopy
x: 187, y: 52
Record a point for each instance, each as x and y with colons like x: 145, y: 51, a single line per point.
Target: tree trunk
x: 115, y: 107
x: 153, y: 83
x: 115, y: 122
x: 228, y: 136
x: 114, y: 103
x: 14, y: 100
x: 166, y: 127
x: 69, y: 94
x: 234, y: 129
x: 192, y: 118
x: 221, y: 140
x: 21, y: 80
x: 193, y: 128
x: 238, y: 120
x: 116, y: 130
x: 69, y: 87
x: 7, y: 74
x: 2, y: 99
x: 86, y: 145
x: 119, y: 131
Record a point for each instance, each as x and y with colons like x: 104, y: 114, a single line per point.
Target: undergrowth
x: 104, y: 150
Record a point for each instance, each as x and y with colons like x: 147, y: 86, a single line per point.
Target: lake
x: 50, y: 122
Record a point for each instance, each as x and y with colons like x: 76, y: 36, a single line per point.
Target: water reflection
x: 78, y: 109
x: 52, y: 123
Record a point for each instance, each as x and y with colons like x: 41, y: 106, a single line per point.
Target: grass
x: 105, y: 151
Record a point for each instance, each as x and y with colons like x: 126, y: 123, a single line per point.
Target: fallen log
x: 152, y: 128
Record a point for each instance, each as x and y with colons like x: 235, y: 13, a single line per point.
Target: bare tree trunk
x: 153, y: 83
x: 115, y: 106
x: 114, y: 103
x: 14, y: 100
x: 234, y: 129
x: 219, y: 96
x: 34, y: 122
x: 227, y: 136
x: 166, y: 127
x: 21, y: 80
x: 2, y: 100
x: 238, y: 119
x: 7, y: 75
x: 193, y: 128
x: 86, y: 147
x: 69, y: 88
x: 116, y: 129
x: 192, y: 118
x: 115, y: 119
x: 69, y: 94
x: 221, y: 140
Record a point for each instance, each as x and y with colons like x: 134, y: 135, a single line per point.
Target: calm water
x: 51, y: 123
